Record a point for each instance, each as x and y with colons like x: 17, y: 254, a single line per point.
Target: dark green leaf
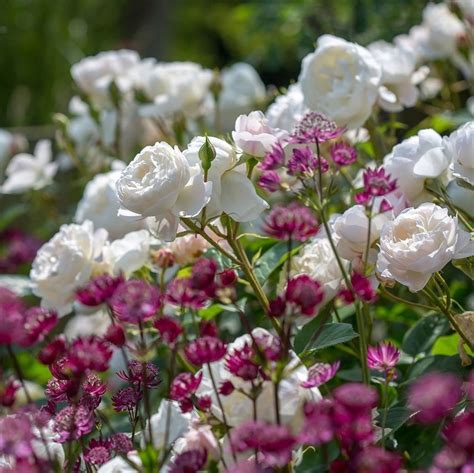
x: 421, y: 337
x: 450, y: 364
x: 272, y: 260
x: 333, y: 334
x: 396, y: 417
x: 304, y: 334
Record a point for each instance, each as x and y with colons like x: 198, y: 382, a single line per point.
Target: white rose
x: 317, y: 259
x: 238, y: 407
x: 399, y: 76
x: 26, y: 171
x: 232, y: 191
x: 351, y: 230
x: 128, y: 254
x: 287, y: 110
x: 120, y: 465
x: 414, y: 160
x: 175, y: 87
x: 65, y: 263
x: 459, y: 148
x: 419, y: 242
x: 242, y: 90
x: 179, y: 424
x: 341, y: 80
x: 93, y: 75
x: 163, y: 183
x: 100, y: 205
x: 253, y: 134
x: 91, y: 322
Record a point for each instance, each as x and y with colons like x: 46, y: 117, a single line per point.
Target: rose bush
x: 243, y: 290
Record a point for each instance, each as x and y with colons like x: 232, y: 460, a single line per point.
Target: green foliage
x: 421, y: 336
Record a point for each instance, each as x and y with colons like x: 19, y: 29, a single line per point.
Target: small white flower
x: 341, y: 80
x: 242, y: 90
x: 414, y: 160
x: 163, y: 183
x: 253, y: 135
x: 459, y: 148
x: 128, y: 254
x: 399, y: 76
x: 232, y: 191
x: 352, y: 229
x: 26, y: 171
x: 419, y: 242
x: 100, y: 205
x: 287, y: 110
x: 65, y: 263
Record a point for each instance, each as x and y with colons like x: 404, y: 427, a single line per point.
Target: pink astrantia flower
x: 8, y: 391
x: 305, y: 293
x: 72, y: 422
x: 383, y: 357
x: 11, y: 315
x: 274, y: 159
x: 126, y: 399
x: 115, y: 335
x: 203, y: 273
x: 304, y: 162
x: 343, y: 154
x: 98, y: 452
x: 138, y: 373
x: 319, y: 427
x: 458, y: 432
x: 190, y: 461
x: 270, y: 181
x: 314, y: 127
x: 16, y: 436
x: 88, y: 353
x: 293, y: 222
x: 432, y: 396
x: 135, y: 301
x: 53, y: 350
x: 94, y: 386
x: 184, y: 385
x: 181, y: 293
x: 19, y: 249
x: 169, y: 328
x: 98, y: 290
x: 226, y: 388
x: 242, y: 362
x: 362, y: 287
x: 376, y: 183
x: 37, y: 323
x: 121, y: 443
x: 320, y: 373
x: 205, y: 350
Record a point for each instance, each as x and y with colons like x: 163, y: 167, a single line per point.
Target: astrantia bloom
x: 356, y: 396
x: 73, y: 422
x: 373, y: 459
x: 269, y: 180
x: 11, y: 315
x: 115, y: 335
x: 126, y: 399
x: 135, y: 301
x: 274, y: 442
x: 16, y: 436
x: 88, y: 353
x: 304, y: 162
x: 293, y: 222
x: 383, y: 357
x: 203, y: 274
x: 138, y: 373
x: 52, y: 351
x: 7, y: 392
x: 18, y: 248
x: 94, y: 386
x: 37, y: 323
x: 98, y: 290
x: 362, y: 288
x: 376, y: 183
x: 319, y: 427
x: 274, y: 159
x: 184, y: 385
x: 205, y: 350
x: 343, y: 154
x: 433, y: 396
x: 180, y: 292
x: 190, y: 461
x: 320, y: 373
x: 305, y: 293
x: 458, y: 433
x: 315, y: 126
x: 169, y: 328
x: 243, y: 363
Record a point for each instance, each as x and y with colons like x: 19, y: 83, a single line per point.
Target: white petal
x: 432, y: 164
x: 193, y: 197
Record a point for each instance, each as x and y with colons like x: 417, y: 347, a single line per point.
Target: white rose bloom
x: 461, y: 197
x: 119, y: 465
x: 198, y: 437
x: 351, y: 230
x: 232, y: 191
x: 253, y: 134
x: 317, y: 260
x: 341, y: 80
x: 287, y: 110
x: 459, y: 148
x: 128, y: 254
x: 414, y: 160
x: 93, y: 75
x: 399, y: 76
x: 175, y: 87
x: 26, y: 171
x: 100, y: 205
x: 238, y: 407
x: 419, y: 242
x: 163, y: 183
x: 180, y: 423
x: 65, y: 263
x: 242, y: 90
x: 90, y: 322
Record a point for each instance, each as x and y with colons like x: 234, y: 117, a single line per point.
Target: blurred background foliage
x: 40, y: 39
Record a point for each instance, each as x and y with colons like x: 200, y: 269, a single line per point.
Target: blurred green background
x: 40, y: 39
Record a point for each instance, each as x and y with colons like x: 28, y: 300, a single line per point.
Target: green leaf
x: 221, y: 260
x: 465, y: 265
x: 210, y: 312
x: 271, y: 260
x: 449, y: 364
x: 207, y: 154
x: 421, y: 337
x: 448, y: 345
x: 10, y: 214
x: 32, y: 369
x: 21, y: 285
x: 334, y: 334
x: 304, y: 334
x: 396, y: 417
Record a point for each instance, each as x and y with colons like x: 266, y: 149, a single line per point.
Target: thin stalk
x: 385, y: 408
